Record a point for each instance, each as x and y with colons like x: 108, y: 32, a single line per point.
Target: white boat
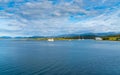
x: 51, y: 39
x: 82, y: 39
x: 98, y: 38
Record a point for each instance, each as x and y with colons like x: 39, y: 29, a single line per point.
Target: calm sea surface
x: 86, y: 57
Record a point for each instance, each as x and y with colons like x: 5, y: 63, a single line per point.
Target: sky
x: 58, y: 17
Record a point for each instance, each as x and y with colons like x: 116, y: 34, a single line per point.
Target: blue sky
x: 57, y: 17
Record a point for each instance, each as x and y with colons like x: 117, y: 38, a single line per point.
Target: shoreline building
x: 98, y: 38
x: 50, y: 39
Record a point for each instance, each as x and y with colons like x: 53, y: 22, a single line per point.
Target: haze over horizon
x: 57, y: 17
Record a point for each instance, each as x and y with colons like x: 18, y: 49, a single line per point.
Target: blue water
x: 86, y: 57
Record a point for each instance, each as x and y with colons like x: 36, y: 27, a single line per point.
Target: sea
x: 75, y: 57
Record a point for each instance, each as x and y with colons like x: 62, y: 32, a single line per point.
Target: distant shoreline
x: 75, y: 37
x: 46, y: 39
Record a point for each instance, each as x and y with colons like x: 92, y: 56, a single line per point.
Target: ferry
x: 51, y: 39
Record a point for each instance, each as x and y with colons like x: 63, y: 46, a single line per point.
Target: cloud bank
x: 57, y: 17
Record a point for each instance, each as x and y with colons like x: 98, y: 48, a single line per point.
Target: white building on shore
x: 98, y: 38
x: 51, y: 39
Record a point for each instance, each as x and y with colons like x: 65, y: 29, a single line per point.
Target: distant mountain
x: 6, y: 37
x: 107, y: 34
x: 91, y: 35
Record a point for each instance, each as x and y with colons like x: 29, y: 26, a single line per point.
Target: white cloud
x: 104, y: 23
x: 45, y: 18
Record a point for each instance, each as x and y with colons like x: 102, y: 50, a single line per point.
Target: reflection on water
x: 59, y: 58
